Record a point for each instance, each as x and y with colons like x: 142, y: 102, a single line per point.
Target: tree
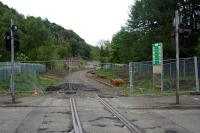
x: 126, y: 47
x: 105, y: 49
x: 95, y: 53
x: 190, y: 12
x: 21, y: 57
x: 40, y: 39
x: 150, y: 21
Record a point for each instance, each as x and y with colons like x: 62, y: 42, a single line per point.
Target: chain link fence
x: 139, y: 76
x: 40, y: 74
x: 143, y: 81
x: 118, y: 70
x: 32, y: 75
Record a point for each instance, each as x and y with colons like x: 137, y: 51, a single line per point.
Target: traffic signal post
x: 177, y: 22
x: 12, y: 86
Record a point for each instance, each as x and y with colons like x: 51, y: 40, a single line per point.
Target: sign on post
x: 157, y: 50
x: 157, y: 58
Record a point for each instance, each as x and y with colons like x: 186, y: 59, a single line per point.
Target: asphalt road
x: 51, y: 113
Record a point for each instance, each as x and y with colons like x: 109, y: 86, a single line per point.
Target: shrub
x: 118, y: 81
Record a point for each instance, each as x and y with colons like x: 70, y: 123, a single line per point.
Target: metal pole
x: 131, y: 77
x: 177, y: 56
x: 184, y: 68
x: 12, y: 63
x: 162, y: 70
x: 196, y: 74
x: 70, y: 85
x: 170, y: 69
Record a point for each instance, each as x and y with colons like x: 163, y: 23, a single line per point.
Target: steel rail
x: 75, y: 117
x: 123, y: 119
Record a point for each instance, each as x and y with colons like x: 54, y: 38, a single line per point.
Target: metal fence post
x: 162, y: 77
x: 131, y: 77
x: 196, y: 74
x: 184, y: 68
x: 140, y: 69
x: 170, y: 69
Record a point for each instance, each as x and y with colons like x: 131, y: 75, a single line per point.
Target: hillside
x: 40, y: 39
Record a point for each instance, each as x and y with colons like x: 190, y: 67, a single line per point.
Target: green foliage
x: 125, y: 48
x: 95, y: 53
x: 44, y: 81
x: 47, y: 52
x: 4, y: 85
x: 63, y: 51
x: 198, y: 48
x: 150, y: 21
x: 21, y: 57
x: 40, y: 39
x: 108, y: 74
x: 104, y: 50
x: 25, y: 82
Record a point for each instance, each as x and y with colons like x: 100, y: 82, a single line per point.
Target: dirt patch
x: 104, y: 80
x: 70, y: 88
x: 53, y: 88
x: 59, y: 75
x: 111, y: 90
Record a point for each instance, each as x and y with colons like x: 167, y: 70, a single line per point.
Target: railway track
x: 124, y: 120
x: 77, y: 128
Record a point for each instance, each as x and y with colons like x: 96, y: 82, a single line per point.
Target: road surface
x: 51, y: 113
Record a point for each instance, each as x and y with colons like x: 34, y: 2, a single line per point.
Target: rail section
x: 133, y: 128
x: 75, y: 117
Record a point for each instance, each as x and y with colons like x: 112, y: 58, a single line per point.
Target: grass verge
x: 108, y: 74
x: 143, y: 85
x: 24, y: 83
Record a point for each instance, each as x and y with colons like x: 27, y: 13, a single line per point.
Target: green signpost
x: 157, y: 54
x: 157, y: 50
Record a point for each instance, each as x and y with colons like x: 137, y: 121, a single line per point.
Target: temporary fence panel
x: 189, y: 76
x: 27, y: 74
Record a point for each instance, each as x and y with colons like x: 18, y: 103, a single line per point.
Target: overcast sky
x: 93, y: 20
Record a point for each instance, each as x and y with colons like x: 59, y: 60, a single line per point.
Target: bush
x: 118, y: 82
